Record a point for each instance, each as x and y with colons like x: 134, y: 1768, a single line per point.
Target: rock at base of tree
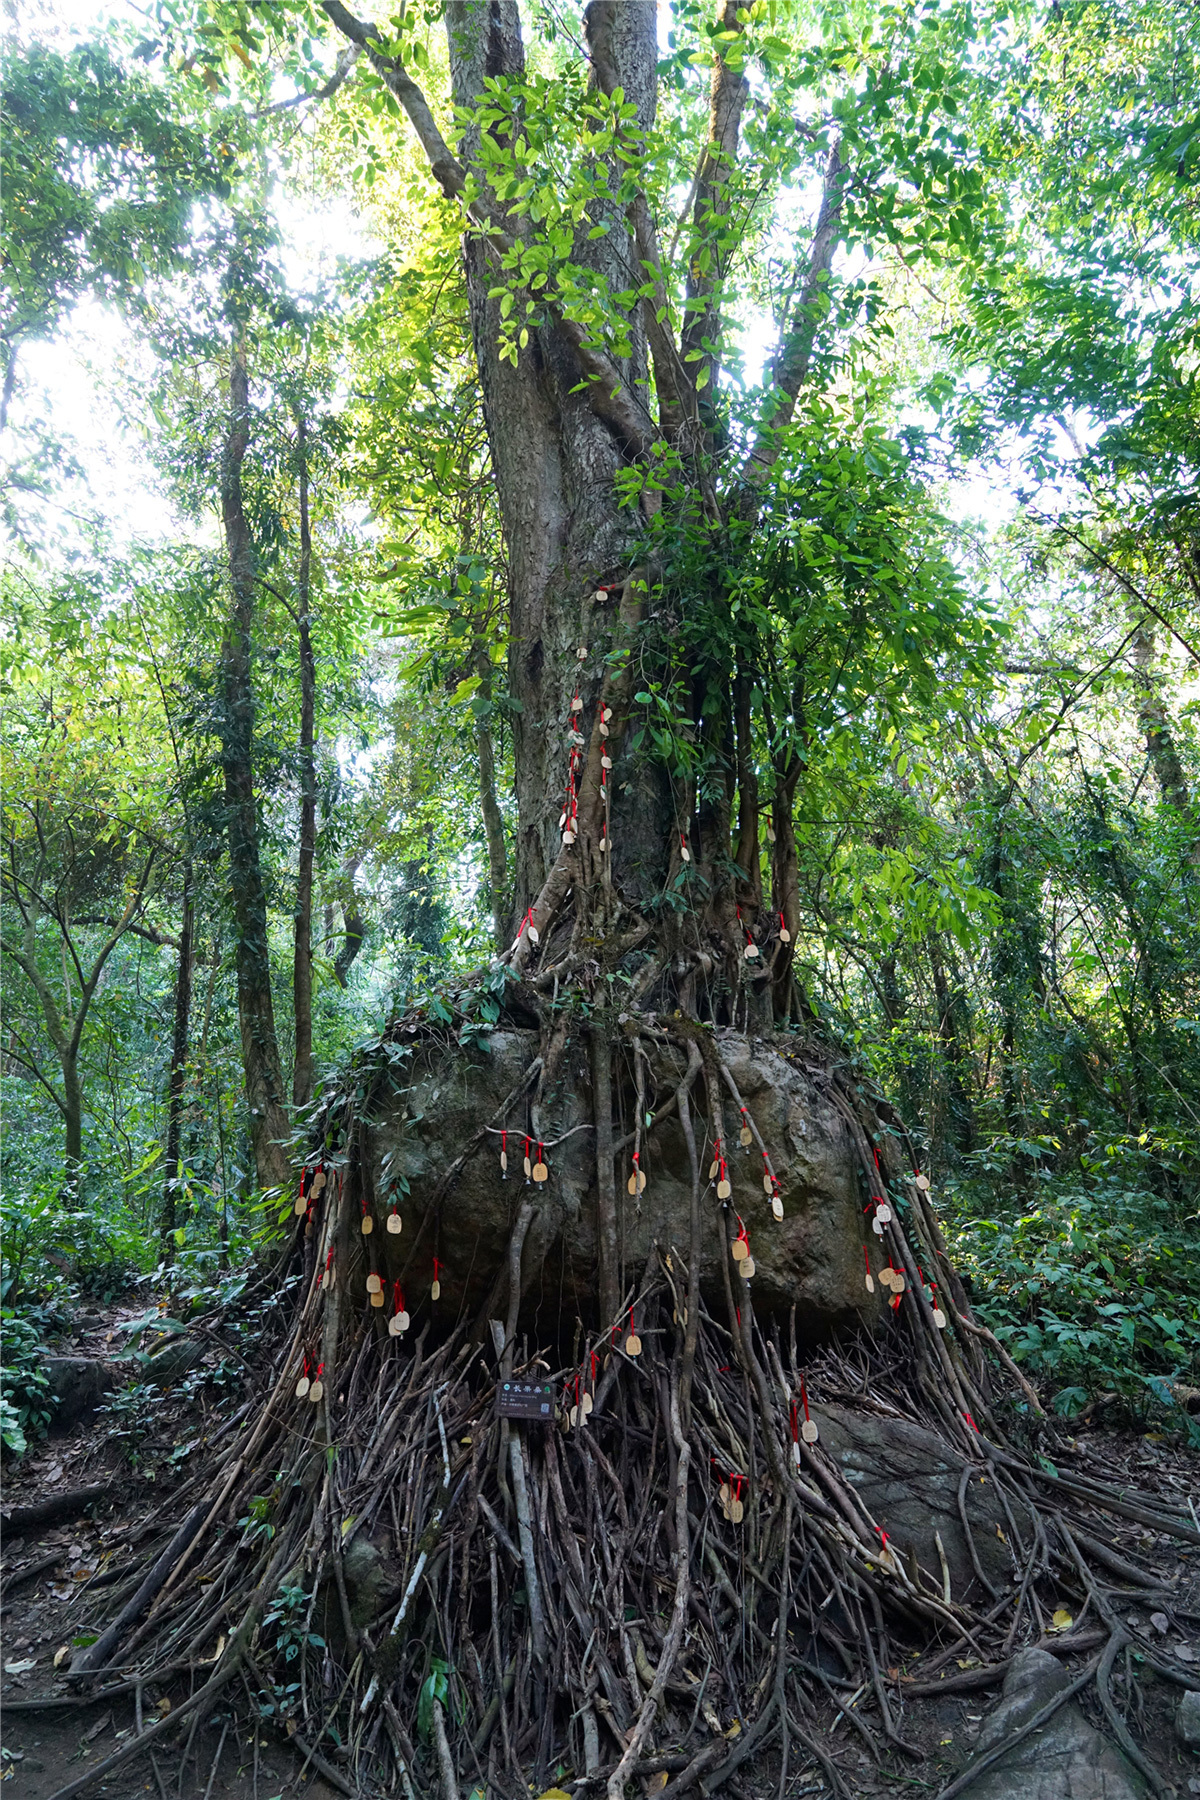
x: 1067, y: 1759
x: 1187, y: 1720
x: 812, y: 1258
x: 909, y: 1480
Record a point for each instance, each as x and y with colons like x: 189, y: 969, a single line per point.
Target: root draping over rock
x: 814, y: 1257
x: 739, y: 1513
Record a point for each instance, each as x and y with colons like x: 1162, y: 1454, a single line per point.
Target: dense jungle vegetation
x: 260, y: 711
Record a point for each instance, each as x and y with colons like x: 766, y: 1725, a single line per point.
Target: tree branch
x: 152, y: 933
x: 26, y: 1061
x: 794, y: 357
x: 609, y: 397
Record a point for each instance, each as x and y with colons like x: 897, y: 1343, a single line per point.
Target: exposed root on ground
x: 614, y: 1592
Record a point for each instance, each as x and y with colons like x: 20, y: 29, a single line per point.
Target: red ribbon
x: 804, y: 1396
x: 397, y: 1297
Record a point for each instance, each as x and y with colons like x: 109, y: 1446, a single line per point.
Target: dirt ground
x: 55, y: 1581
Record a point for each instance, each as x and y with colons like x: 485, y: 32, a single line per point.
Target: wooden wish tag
x: 540, y: 1172
x: 303, y: 1385
x: 368, y: 1220
x: 730, y: 1496
x: 399, y: 1322
x: 435, y: 1287
x: 327, y: 1272
x: 637, y: 1180
x: 374, y: 1284
x: 870, y: 1277
x: 633, y: 1343
x: 527, y: 1161
x: 939, y: 1317
x: 785, y: 936
x: 317, y: 1390
x: 921, y: 1181
x: 745, y: 1135
x: 808, y: 1431
x: 884, y: 1213
x: 300, y: 1204
x: 395, y: 1223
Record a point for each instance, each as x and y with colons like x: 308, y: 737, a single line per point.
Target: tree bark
x: 256, y: 1014
x: 179, y: 1057
x: 302, y: 1068
x: 493, y: 818
x: 556, y: 461
x: 354, y: 925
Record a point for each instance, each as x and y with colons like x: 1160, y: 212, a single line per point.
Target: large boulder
x: 909, y: 1479
x: 1065, y: 1759
x: 812, y: 1260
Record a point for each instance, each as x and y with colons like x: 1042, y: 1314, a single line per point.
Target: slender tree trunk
x: 354, y: 925
x: 302, y: 1071
x: 256, y: 1014
x: 179, y: 1058
x: 961, y: 1115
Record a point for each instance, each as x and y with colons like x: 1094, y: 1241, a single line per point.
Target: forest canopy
x: 850, y: 360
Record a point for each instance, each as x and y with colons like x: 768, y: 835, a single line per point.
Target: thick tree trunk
x: 179, y: 1056
x: 557, y: 464
x: 493, y: 818
x: 256, y: 1015
x: 302, y: 1069
x: 72, y: 1115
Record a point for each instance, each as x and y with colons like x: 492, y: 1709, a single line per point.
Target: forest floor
x: 55, y: 1577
